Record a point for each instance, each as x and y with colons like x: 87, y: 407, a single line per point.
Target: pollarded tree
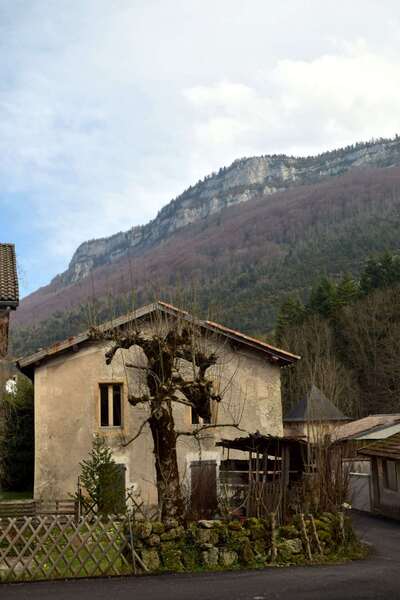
x: 176, y: 370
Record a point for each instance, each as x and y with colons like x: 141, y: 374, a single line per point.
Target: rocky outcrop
x: 242, y: 181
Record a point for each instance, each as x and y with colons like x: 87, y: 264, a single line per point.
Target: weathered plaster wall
x: 67, y: 414
x: 313, y: 431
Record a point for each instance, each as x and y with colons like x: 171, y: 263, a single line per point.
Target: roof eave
x: 275, y: 355
x: 9, y: 304
x: 370, y: 430
x: 379, y: 453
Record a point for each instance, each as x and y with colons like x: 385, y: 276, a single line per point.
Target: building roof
x: 9, y: 295
x: 315, y: 406
x: 388, y: 448
x: 368, y: 425
x: 275, y: 355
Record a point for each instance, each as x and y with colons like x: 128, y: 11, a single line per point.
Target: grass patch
x: 15, y: 495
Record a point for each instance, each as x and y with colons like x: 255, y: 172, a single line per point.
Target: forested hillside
x: 348, y: 334
x: 242, y: 261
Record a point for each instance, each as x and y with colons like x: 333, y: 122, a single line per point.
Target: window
x: 197, y: 420
x: 390, y: 475
x: 195, y: 416
x: 110, y: 405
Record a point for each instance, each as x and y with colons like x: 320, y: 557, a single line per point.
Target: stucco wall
x: 67, y: 414
x: 312, y: 431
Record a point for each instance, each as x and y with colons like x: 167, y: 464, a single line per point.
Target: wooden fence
x: 60, y: 546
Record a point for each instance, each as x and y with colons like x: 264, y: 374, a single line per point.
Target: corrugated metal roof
x: 315, y: 406
x: 281, y: 357
x: 372, y: 423
x: 9, y: 294
x: 388, y: 448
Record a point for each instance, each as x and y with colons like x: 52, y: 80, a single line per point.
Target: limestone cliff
x: 243, y: 180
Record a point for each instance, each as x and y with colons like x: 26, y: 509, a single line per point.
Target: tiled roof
x: 388, y: 448
x: 275, y: 355
x: 367, y: 424
x: 315, y: 406
x: 9, y: 295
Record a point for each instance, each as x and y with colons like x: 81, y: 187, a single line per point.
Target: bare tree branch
x: 134, y: 400
x: 196, y: 432
x: 135, y: 437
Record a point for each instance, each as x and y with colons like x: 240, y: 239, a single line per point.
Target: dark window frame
x: 111, y: 405
x: 104, y: 405
x: 197, y: 420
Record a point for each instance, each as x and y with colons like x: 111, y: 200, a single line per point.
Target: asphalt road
x: 376, y: 578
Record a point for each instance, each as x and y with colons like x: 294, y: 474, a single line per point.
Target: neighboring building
x: 385, y: 475
x: 9, y: 296
x: 313, y: 417
x: 355, y: 435
x: 358, y: 433
x: 77, y: 395
x: 8, y: 301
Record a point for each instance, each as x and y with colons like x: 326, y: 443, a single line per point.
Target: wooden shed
x: 385, y: 472
x: 268, y: 475
x: 358, y: 434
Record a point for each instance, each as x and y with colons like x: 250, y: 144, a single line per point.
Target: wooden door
x: 204, y: 502
x: 113, y: 489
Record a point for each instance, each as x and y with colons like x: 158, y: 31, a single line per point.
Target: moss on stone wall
x: 204, y: 545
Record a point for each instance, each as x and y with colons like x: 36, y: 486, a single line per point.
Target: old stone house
x: 78, y: 395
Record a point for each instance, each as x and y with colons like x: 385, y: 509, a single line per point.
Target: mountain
x: 244, y: 180
x: 246, y: 236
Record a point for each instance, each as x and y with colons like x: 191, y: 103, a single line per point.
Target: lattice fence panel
x: 52, y: 547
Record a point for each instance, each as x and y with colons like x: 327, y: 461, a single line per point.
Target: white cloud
x: 226, y: 95
x: 300, y: 106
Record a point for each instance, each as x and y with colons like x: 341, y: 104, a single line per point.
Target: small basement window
x: 390, y: 475
x: 110, y: 404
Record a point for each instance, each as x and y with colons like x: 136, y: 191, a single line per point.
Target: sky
x: 111, y: 108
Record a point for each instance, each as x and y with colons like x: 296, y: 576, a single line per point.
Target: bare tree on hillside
x: 372, y: 335
x: 314, y: 342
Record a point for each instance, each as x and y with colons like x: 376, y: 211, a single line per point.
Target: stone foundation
x: 240, y: 544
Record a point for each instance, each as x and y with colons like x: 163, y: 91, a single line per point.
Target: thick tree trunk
x: 166, y: 463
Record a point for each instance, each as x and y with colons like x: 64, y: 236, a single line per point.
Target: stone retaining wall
x: 170, y: 546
